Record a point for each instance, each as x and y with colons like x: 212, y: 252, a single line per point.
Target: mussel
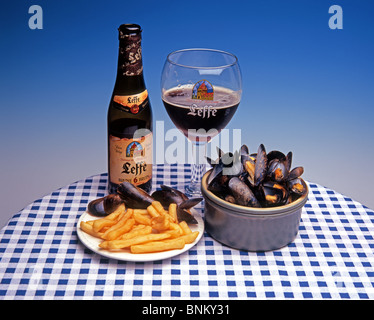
x: 295, y: 173
x: 259, y: 180
x: 242, y: 193
x: 261, y: 165
x: 219, y: 184
x: 169, y: 195
x: 274, y: 193
x: 133, y: 196
x: 279, y: 167
x: 297, y: 186
x: 185, y: 215
x: 105, y: 205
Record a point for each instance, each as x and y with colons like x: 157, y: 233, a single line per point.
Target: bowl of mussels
x: 253, y: 202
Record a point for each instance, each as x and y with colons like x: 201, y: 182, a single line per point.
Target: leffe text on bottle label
x: 130, y: 159
x: 134, y: 103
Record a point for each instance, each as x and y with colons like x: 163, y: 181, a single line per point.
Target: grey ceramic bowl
x: 251, y: 229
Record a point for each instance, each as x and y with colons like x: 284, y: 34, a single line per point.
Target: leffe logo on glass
x: 202, y: 90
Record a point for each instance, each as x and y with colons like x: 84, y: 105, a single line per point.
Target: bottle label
x: 130, y: 159
x: 134, y: 103
x: 131, y: 53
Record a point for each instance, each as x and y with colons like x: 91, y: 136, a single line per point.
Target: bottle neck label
x: 130, y: 56
x: 133, y: 104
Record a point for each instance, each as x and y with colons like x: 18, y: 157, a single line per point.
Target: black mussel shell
x: 270, y: 197
x: 261, y: 165
x: 297, y: 186
x: 184, y: 215
x: 295, y: 173
x: 274, y: 193
x: 188, y: 204
x: 244, y: 150
x: 275, y: 154
x: 166, y: 197
x: 176, y: 194
x: 134, y: 196
x: 163, y: 197
x: 279, y: 165
x: 281, y: 187
x: 244, y: 154
x: 242, y: 193
x: 96, y: 207
x: 289, y: 161
x: 219, y: 185
x: 249, y: 167
x: 103, y: 206
x: 277, y: 170
x: 217, y: 169
x: 211, y: 162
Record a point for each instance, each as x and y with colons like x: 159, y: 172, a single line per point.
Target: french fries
x: 173, y: 212
x: 158, y: 246
x: 160, y: 223
x: 154, y: 229
x: 120, y: 244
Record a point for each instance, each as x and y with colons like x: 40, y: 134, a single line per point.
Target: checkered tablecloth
x: 331, y: 258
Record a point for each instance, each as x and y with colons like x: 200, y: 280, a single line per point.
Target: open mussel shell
x: 279, y: 166
x: 297, y: 186
x: 273, y: 193
x: 103, y: 206
x: 275, y: 154
x: 249, y: 166
x: 277, y: 170
x: 168, y: 195
x: 244, y: 154
x: 133, y: 196
x: 180, y: 194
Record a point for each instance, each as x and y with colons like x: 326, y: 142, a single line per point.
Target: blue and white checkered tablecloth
x: 331, y: 258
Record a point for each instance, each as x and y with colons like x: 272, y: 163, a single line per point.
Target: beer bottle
x: 130, y: 117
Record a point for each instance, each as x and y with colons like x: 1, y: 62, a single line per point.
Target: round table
x: 332, y: 256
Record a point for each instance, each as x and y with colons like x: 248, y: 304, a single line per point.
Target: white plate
x: 92, y: 243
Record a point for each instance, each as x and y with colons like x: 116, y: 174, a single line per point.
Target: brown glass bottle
x: 130, y: 117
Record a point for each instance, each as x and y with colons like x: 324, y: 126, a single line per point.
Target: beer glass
x: 201, y: 90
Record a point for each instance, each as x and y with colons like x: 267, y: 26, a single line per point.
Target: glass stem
x: 198, y: 169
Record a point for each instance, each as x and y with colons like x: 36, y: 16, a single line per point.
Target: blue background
x: 306, y: 88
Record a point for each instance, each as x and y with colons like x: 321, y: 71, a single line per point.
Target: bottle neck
x: 130, y: 78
